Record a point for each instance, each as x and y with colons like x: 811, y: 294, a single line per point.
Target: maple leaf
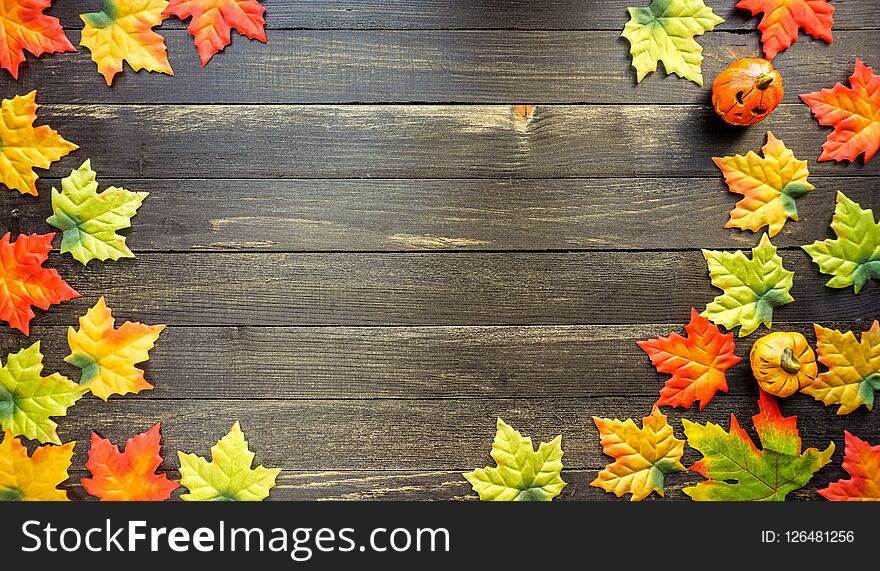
x: 228, y: 476
x: 862, y: 462
x: 737, y: 471
x: 697, y: 363
x: 123, y: 31
x: 642, y: 456
x: 23, y: 26
x: 24, y: 147
x: 212, y: 21
x: 752, y: 288
x: 853, y: 257
x: 783, y: 18
x: 770, y: 185
x: 107, y: 356
x: 36, y: 477
x: 664, y: 32
x: 25, y: 283
x: 522, y: 473
x: 89, y: 219
x: 854, y: 112
x: 28, y: 400
x: 128, y: 476
x: 853, y: 368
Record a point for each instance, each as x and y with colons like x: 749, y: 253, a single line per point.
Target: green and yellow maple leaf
x: 228, y: 476
x: 28, y: 400
x: 769, y: 185
x: 33, y: 478
x: 752, y: 288
x: 664, y: 32
x: 522, y: 474
x: 89, y: 220
x: 853, y: 257
x: 737, y: 471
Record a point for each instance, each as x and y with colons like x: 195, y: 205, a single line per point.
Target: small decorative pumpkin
x: 783, y: 363
x: 747, y: 91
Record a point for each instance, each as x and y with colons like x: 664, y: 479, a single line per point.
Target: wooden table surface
x: 365, y: 254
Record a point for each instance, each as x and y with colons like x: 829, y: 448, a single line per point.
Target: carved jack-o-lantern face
x: 747, y: 91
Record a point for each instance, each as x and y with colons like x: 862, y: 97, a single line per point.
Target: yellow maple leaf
x: 108, y: 355
x: 24, y: 147
x: 123, y: 31
x: 643, y: 456
x: 33, y: 478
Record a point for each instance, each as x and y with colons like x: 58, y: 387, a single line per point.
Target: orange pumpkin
x: 747, y: 91
x: 783, y: 363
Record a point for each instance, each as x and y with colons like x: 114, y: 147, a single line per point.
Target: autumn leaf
x: 783, y: 18
x: 853, y: 257
x: 642, y: 456
x: 853, y: 368
x: 23, y: 26
x: 752, y: 288
x: 770, y: 185
x: 107, y: 355
x: 213, y: 20
x: 123, y: 31
x: 89, y: 220
x: 36, y: 477
x: 128, y: 476
x: 698, y: 363
x: 28, y: 400
x: 862, y: 462
x: 25, y: 283
x: 228, y: 476
x: 737, y: 471
x: 24, y: 147
x: 664, y: 32
x: 522, y: 474
x: 853, y: 111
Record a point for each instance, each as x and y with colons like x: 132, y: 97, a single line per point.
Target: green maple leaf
x: 28, y: 400
x: 228, y: 476
x: 738, y: 471
x: 853, y: 257
x: 522, y: 474
x: 664, y: 32
x: 90, y: 219
x: 752, y: 288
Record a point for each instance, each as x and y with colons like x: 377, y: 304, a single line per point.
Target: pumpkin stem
x: 788, y: 362
x: 764, y: 80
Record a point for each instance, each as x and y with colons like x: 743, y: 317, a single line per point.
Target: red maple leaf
x: 212, y: 21
x: 23, y: 26
x: 862, y: 463
x: 24, y: 282
x: 854, y: 112
x: 697, y: 363
x: 782, y: 19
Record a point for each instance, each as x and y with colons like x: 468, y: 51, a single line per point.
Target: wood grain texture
x: 495, y: 67
x: 561, y: 288
x: 420, y: 141
x: 427, y: 215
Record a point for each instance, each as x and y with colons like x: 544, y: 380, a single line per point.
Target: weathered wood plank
x: 404, y: 362
x: 419, y: 141
x: 430, y: 14
x: 411, y: 434
x: 473, y: 214
x: 429, y: 289
x: 498, y: 67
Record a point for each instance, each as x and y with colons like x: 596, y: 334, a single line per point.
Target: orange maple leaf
x: 213, y: 20
x: 128, y: 476
x: 25, y: 283
x: 862, y: 463
x: 697, y: 363
x: 23, y: 26
x: 783, y: 18
x: 853, y: 111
